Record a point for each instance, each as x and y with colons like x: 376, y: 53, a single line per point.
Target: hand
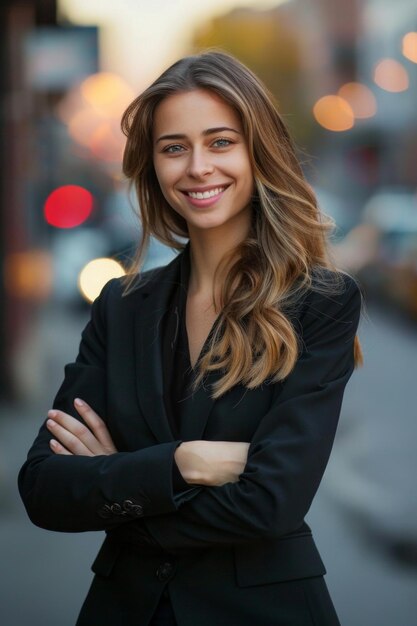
x: 77, y: 438
x: 211, y: 463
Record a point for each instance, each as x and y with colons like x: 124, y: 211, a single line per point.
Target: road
x: 363, y: 518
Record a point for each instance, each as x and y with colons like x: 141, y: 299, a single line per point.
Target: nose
x: 199, y: 164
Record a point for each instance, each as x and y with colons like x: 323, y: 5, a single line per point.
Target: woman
x: 210, y: 388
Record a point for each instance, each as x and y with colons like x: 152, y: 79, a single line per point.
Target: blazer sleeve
x: 78, y: 493
x: 291, y: 446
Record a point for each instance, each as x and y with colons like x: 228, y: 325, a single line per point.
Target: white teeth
x: 206, y: 194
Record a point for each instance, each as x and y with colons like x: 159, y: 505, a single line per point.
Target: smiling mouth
x: 203, y: 195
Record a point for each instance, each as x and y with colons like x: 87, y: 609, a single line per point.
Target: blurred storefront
x: 40, y: 60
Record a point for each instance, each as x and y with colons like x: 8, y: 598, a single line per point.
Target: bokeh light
x: 360, y: 98
x: 68, y: 206
x: 92, y: 111
x: 82, y: 125
x: 333, y: 113
x: 390, y: 75
x: 29, y: 275
x: 107, y: 143
x: 108, y: 94
x: 409, y: 46
x: 96, y: 274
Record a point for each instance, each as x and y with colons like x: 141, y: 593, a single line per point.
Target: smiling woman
x: 197, y: 420
x: 207, y: 176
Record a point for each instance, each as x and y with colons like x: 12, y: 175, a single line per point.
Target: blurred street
x: 365, y: 509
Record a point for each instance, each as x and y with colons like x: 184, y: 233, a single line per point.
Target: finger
x: 58, y: 449
x: 95, y: 423
x: 78, y: 429
x: 68, y: 439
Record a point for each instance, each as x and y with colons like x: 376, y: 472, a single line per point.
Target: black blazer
x: 229, y: 553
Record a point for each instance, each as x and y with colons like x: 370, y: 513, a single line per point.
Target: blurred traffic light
x: 68, y: 206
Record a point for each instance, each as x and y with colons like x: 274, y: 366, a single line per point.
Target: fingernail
x: 79, y: 402
x: 50, y: 423
x: 52, y: 413
x: 53, y: 443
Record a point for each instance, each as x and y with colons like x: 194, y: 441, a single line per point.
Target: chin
x: 205, y: 224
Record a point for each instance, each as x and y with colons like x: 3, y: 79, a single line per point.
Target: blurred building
x: 304, y: 51
x: 17, y: 19
x: 39, y: 61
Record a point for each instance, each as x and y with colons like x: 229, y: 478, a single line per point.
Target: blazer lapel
x: 148, y: 337
x: 156, y: 296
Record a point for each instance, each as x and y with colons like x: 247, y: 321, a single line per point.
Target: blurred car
x: 392, y: 272
x: 343, y: 211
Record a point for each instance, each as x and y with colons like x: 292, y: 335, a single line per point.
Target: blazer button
x: 137, y: 510
x: 164, y: 571
x: 130, y: 507
x: 105, y: 512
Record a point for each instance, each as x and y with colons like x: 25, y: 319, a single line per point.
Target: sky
x: 139, y: 38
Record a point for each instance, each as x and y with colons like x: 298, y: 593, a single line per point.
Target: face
x: 201, y: 160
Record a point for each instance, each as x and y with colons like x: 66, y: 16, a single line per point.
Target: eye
x: 222, y: 142
x: 172, y: 149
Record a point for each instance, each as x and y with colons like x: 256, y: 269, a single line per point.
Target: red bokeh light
x: 68, y: 206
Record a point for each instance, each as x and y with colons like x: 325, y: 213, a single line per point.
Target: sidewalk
x: 44, y: 575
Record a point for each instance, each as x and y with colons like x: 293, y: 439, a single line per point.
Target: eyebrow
x: 208, y: 131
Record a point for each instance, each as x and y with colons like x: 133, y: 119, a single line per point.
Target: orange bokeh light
x: 360, y: 98
x: 107, y: 142
x: 333, y: 113
x: 391, y: 75
x: 82, y: 125
x: 68, y: 206
x: 108, y: 94
x: 92, y: 112
x: 409, y: 46
x: 29, y: 275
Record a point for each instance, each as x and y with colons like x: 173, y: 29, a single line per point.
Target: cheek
x: 167, y: 175
x: 246, y: 176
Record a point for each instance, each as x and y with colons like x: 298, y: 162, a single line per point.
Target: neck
x: 207, y: 248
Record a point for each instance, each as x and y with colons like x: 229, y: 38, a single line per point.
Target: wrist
x: 191, y: 465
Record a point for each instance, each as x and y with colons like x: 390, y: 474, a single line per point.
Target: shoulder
x: 329, y: 298
x: 335, y: 286
x: 123, y: 290
x: 122, y: 297
x: 333, y: 301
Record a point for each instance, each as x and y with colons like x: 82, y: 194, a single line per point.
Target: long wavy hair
x: 287, y: 249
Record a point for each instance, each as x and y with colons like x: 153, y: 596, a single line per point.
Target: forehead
x: 193, y: 111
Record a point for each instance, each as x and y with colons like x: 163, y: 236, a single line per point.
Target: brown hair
x: 254, y: 338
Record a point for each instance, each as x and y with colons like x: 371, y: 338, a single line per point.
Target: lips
x: 205, y: 197
x: 203, y: 193
x: 198, y: 195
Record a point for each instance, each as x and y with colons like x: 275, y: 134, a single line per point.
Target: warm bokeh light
x: 82, y: 125
x: 409, y: 46
x: 108, y: 94
x: 333, y: 113
x: 360, y: 98
x: 68, y: 206
x: 391, y: 75
x: 107, y: 142
x: 96, y: 274
x: 29, y: 275
x: 92, y: 112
